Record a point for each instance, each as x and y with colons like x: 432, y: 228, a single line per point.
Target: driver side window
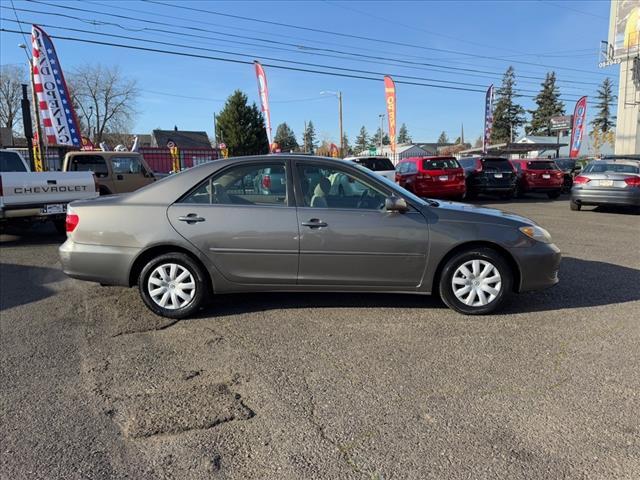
x: 328, y: 187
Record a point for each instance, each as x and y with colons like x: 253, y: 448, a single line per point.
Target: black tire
x: 554, y: 195
x: 470, y: 195
x: 187, y: 263
x: 519, y: 192
x: 102, y: 191
x: 574, y: 206
x: 485, y: 255
x: 507, y: 196
x: 61, y: 226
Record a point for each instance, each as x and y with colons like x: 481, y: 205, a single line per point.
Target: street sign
x: 562, y: 122
x: 373, y: 150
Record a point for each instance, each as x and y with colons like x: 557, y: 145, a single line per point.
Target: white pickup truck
x: 29, y: 197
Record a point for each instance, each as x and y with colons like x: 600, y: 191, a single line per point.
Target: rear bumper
x: 97, y: 263
x: 539, y: 265
x: 592, y: 196
x: 453, y: 191
x: 543, y: 188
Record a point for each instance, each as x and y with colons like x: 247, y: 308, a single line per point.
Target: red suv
x: 538, y: 175
x: 439, y: 177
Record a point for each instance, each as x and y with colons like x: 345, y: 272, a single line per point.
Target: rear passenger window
x: 264, y: 184
x: 440, y: 164
x: 89, y: 163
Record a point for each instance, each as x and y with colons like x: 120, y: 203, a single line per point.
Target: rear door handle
x: 191, y: 218
x: 314, y: 223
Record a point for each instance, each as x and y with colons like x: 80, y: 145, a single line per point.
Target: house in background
x: 182, y: 138
x: 403, y: 150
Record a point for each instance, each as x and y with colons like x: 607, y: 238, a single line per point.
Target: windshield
x: 599, y: 167
x: 11, y: 162
x: 394, y: 186
x: 440, y: 164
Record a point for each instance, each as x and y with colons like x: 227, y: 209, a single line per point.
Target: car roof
x: 102, y: 153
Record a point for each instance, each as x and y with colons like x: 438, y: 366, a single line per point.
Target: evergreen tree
x: 443, y: 138
x: 346, y: 148
x: 241, y: 127
x: 362, y: 140
x: 376, y: 138
x: 309, y: 138
x: 508, y: 116
x: 549, y: 105
x: 285, y: 138
x: 604, y: 121
x: 403, y: 134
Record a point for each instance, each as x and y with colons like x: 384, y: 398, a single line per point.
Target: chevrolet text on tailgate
x: 27, y: 196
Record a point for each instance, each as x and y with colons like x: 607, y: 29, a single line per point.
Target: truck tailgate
x: 39, y: 188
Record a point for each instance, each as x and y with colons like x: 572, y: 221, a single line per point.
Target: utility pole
x: 27, y: 126
x: 382, y: 115
x: 215, y: 134
x: 341, y: 134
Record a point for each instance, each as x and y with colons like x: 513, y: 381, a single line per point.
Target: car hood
x: 472, y: 213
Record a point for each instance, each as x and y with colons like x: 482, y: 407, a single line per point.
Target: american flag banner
x: 54, y: 102
x: 488, y: 119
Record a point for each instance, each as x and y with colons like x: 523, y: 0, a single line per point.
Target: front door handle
x: 191, y: 218
x: 314, y: 223
x: 119, y: 177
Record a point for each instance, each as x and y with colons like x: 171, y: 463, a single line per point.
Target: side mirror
x: 395, y: 204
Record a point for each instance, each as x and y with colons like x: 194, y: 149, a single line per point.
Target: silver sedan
x: 230, y: 226
x: 607, y: 182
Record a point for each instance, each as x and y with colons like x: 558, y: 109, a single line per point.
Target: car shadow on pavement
x: 583, y: 283
x: 13, y: 293
x: 42, y: 234
x: 236, y: 303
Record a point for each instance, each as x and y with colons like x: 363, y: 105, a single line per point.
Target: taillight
x: 632, y: 181
x: 559, y: 174
x: 266, y: 181
x: 71, y: 222
x: 580, y: 180
x: 423, y: 176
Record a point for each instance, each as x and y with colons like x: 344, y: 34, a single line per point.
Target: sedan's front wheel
x: 172, y: 285
x: 476, y: 281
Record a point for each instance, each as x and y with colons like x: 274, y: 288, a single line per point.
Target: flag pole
x: 38, y: 148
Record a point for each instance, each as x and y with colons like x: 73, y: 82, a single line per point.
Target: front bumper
x: 97, y: 263
x: 539, y: 265
x: 592, y: 196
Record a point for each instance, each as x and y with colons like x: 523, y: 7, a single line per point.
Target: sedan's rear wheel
x: 476, y: 281
x: 575, y: 206
x: 172, y: 285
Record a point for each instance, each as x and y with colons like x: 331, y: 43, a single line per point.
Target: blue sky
x: 565, y: 34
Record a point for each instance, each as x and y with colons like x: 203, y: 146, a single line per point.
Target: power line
x: 306, y: 64
x: 299, y: 48
x: 359, y: 37
x: 244, y: 62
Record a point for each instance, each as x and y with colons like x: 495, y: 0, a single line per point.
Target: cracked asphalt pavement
x: 327, y: 386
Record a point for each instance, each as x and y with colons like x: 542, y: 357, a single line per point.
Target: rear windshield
x: 542, y: 166
x: 468, y: 163
x: 86, y: 163
x: 497, y: 165
x: 375, y: 164
x: 566, y: 164
x: 611, y: 168
x: 440, y: 164
x: 11, y: 162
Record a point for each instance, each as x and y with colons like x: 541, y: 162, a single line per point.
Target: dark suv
x: 494, y: 175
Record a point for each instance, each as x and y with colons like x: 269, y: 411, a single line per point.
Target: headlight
x: 537, y: 233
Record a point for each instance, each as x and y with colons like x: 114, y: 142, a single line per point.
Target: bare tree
x: 11, y: 79
x: 104, y: 100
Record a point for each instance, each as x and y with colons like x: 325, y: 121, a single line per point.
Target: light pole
x: 382, y: 115
x: 338, y: 95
